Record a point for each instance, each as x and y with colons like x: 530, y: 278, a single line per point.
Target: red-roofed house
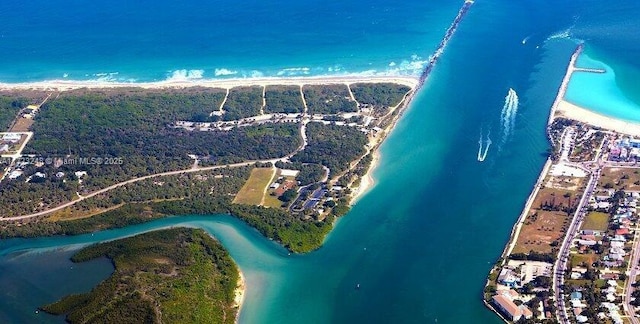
x: 622, y: 231
x: 507, y: 308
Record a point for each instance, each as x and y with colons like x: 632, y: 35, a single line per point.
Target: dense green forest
x: 18, y: 197
x: 379, y: 94
x: 136, y: 127
x: 329, y: 99
x: 168, y: 276
x: 283, y: 99
x: 243, y: 102
x: 309, y: 172
x: 202, y: 193
x: 326, y: 140
x: 132, y: 127
x: 9, y: 107
x: 218, y: 185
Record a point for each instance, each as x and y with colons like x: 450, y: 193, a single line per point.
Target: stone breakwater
x: 433, y: 59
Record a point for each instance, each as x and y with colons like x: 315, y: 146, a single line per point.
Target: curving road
x: 168, y: 173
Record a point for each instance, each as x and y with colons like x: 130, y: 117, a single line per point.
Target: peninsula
x: 79, y: 159
x: 285, y: 155
x: 183, y: 276
x: 573, y: 256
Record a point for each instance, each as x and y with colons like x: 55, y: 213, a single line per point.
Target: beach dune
x: 65, y: 85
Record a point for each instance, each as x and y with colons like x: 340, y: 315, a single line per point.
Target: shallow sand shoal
x: 367, y: 182
x: 238, y: 298
x: 571, y: 111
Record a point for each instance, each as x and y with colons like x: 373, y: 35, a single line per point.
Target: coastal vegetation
x: 283, y: 99
x: 309, y: 172
x: 201, y: 193
x: 243, y: 102
x: 9, y: 108
x: 329, y: 99
x: 379, y: 96
x: 149, y: 131
x: 128, y: 131
x: 326, y: 140
x: 168, y: 276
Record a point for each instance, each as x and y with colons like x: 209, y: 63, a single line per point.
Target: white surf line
x: 264, y: 99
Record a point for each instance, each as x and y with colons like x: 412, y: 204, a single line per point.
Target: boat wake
x: 508, y: 114
x: 483, y: 155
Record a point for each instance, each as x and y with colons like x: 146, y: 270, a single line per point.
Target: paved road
x: 563, y: 256
x: 560, y: 266
x: 631, y: 278
x: 194, y: 168
x: 120, y: 184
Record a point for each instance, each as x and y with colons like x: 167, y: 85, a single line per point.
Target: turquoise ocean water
x: 421, y: 242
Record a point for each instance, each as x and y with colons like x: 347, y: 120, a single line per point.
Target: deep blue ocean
x: 421, y: 242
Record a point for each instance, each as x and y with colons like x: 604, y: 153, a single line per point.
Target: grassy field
x: 541, y: 228
x: 620, y: 178
x: 271, y: 201
x: 556, y: 197
x: 583, y: 259
x: 596, y: 221
x: 254, y: 189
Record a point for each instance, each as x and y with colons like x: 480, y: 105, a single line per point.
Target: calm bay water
x: 421, y: 241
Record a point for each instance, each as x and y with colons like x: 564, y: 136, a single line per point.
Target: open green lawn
x: 580, y: 259
x: 272, y: 201
x: 253, y: 190
x: 596, y: 221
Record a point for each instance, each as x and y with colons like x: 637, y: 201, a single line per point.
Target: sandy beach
x: 65, y: 85
x: 568, y: 110
x: 238, y: 299
x: 367, y: 182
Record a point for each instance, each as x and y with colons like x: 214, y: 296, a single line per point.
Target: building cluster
x: 518, y: 287
x: 609, y: 310
x: 30, y: 111
x: 8, y: 141
x: 362, y: 122
x: 229, y: 125
x: 625, y: 149
x: 611, y: 246
x: 505, y: 302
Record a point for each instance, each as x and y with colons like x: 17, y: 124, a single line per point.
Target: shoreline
x: 239, y: 294
x: 515, y: 231
x: 562, y: 108
x: 66, y: 85
x: 367, y: 182
x: 571, y: 67
x: 568, y: 110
